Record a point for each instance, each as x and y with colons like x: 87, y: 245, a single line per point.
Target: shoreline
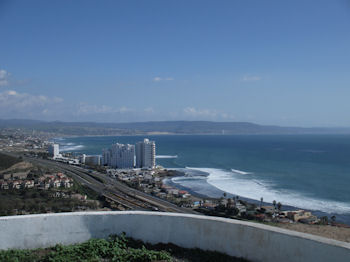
x: 343, y: 218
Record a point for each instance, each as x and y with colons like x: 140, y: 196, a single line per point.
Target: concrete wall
x: 253, y: 241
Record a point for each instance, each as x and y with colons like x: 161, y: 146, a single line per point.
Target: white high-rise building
x: 106, y: 157
x: 146, y: 154
x: 82, y: 158
x: 125, y: 156
x: 54, y: 150
x: 119, y: 156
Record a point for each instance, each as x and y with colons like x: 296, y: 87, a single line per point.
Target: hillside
x: 7, y: 161
x: 167, y: 127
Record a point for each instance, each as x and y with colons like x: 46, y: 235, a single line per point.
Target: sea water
x: 306, y: 171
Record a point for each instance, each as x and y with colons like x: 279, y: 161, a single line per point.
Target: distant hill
x: 163, y: 127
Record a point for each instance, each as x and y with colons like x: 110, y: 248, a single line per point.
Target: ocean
x: 306, y: 171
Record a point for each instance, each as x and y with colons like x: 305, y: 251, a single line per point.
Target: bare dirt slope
x: 333, y: 232
x: 21, y: 166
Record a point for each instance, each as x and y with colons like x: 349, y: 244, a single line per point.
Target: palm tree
x: 333, y: 218
x: 279, y: 206
x: 234, y: 201
x: 229, y: 203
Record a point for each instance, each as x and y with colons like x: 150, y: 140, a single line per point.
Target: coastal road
x: 129, y: 198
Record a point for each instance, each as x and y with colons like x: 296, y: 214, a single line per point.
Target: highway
x: 129, y: 198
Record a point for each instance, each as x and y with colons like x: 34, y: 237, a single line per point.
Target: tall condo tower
x: 54, y: 150
x: 106, y: 157
x: 146, y: 154
x: 119, y: 156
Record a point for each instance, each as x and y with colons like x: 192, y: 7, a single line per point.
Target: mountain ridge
x: 171, y: 127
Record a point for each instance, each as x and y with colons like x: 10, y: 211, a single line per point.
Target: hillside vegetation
x: 115, y: 248
x: 8, y: 161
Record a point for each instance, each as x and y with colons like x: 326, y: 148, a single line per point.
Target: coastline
x: 216, y: 193
x: 237, y: 145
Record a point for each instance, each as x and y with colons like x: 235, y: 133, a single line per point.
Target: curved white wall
x: 253, y: 241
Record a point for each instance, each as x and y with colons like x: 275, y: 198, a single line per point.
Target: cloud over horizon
x: 251, y: 78
x: 206, y: 114
x: 4, y: 77
x: 23, y: 105
x: 159, y: 79
x: 14, y: 104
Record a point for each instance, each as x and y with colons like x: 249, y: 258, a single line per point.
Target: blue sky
x: 269, y: 62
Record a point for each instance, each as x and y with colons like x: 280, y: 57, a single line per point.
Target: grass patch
x: 33, y: 201
x: 7, y: 161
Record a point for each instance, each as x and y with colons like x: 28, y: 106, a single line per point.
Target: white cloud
x: 22, y: 105
x: 15, y: 104
x: 149, y: 110
x: 206, y: 114
x: 85, y: 108
x: 14, y: 99
x: 251, y: 78
x: 11, y: 93
x: 4, y: 77
x: 193, y: 112
x: 158, y: 79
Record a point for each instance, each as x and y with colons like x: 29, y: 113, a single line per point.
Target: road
x: 128, y: 197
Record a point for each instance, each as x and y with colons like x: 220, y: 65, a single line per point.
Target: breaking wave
x: 240, y: 172
x: 71, y: 147
x: 165, y: 156
x: 238, y: 184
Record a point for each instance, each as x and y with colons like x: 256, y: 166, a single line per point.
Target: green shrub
x: 115, y: 248
x: 18, y: 256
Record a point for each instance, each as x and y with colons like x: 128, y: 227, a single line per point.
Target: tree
x: 261, y: 201
x: 234, y: 201
x: 279, y: 206
x: 333, y: 218
x: 224, y: 194
x: 229, y: 203
x: 274, y: 203
x: 324, y: 220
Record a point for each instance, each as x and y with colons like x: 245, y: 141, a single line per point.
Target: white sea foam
x: 189, y: 175
x: 165, y: 156
x: 71, y: 148
x: 240, y: 172
x: 180, y: 179
x: 255, y: 189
